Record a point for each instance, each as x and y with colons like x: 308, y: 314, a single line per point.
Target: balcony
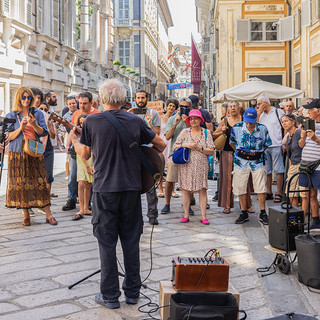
x: 122, y: 22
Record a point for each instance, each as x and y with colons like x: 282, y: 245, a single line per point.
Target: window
x: 263, y: 31
x: 124, y: 52
x: 124, y: 9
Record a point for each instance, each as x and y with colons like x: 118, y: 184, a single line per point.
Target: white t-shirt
x: 311, y: 150
x: 270, y: 120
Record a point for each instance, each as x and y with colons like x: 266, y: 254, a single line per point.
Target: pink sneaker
x: 184, y: 220
x: 205, y: 221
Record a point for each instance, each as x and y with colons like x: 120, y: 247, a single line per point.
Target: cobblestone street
x: 39, y: 262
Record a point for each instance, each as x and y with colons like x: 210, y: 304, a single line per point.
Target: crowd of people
x: 262, y: 145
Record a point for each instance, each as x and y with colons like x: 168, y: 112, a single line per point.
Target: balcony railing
x: 122, y: 22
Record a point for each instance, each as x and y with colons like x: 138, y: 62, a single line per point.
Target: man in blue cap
x: 250, y: 139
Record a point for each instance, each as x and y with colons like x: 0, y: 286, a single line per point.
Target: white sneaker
x: 41, y: 211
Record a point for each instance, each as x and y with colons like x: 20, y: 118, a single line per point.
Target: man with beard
x: 51, y: 99
x: 153, y: 121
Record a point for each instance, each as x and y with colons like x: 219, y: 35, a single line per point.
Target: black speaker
x: 284, y: 225
x: 308, y: 252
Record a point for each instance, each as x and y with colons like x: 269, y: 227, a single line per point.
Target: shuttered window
x: 62, y: 20
x: 55, y: 19
x: 39, y: 16
x: 286, y: 29
x: 5, y: 8
x: 29, y: 13
x: 297, y: 24
x: 124, y: 52
x: 243, y: 30
x: 305, y: 13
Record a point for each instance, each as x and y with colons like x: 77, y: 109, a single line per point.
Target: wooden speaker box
x: 187, y: 272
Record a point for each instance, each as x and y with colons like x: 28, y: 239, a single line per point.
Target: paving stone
x: 4, y: 294
x: 30, y: 287
x: 8, y: 260
x: 42, y: 313
x: 259, y: 314
x: 100, y: 313
x: 253, y: 299
x: 8, y: 307
x: 246, y: 282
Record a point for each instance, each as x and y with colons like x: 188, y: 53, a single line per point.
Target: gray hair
x: 264, y: 99
x: 186, y: 99
x: 112, y: 92
x: 224, y: 105
x: 234, y: 101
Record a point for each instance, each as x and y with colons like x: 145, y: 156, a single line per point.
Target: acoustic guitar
x: 154, y: 156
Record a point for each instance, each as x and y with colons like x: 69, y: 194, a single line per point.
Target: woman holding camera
x: 27, y: 178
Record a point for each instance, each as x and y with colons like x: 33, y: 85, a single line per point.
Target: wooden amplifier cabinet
x: 186, y: 273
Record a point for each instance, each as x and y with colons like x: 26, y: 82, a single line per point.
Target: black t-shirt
x: 206, y: 116
x: 117, y: 168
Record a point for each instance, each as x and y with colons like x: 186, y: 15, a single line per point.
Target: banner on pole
x: 181, y: 85
x: 195, y: 67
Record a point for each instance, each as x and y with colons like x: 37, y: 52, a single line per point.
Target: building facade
x: 39, y: 47
x: 141, y: 42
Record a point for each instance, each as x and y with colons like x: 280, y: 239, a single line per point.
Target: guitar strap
x: 132, y: 145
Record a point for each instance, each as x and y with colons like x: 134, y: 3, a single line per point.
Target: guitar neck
x: 54, y: 117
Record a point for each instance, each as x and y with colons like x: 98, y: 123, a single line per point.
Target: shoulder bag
x: 308, y: 167
x: 33, y: 148
x: 181, y: 156
x: 220, y: 142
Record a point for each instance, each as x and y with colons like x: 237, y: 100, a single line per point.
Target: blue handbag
x: 181, y: 156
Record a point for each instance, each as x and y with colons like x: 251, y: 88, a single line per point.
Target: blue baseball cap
x: 250, y: 115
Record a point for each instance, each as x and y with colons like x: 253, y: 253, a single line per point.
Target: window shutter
x: 318, y: 9
x: 62, y: 20
x: 286, y: 29
x: 55, y: 19
x: 297, y: 22
x: 305, y: 13
x: 74, y: 24
x: 29, y: 13
x: 216, y: 38
x: 39, y: 16
x: 243, y: 30
x: 5, y: 8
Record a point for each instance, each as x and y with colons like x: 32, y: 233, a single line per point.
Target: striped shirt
x: 311, y: 151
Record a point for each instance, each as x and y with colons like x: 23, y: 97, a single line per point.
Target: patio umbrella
x: 254, y: 88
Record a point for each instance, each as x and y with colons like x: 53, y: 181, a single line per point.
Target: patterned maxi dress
x: 193, y: 176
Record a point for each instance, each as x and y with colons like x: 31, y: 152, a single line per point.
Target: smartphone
x: 31, y: 110
x: 309, y: 124
x: 140, y: 112
x: 184, y: 110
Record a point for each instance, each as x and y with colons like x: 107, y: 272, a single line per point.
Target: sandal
x: 250, y: 210
x: 77, y: 216
x: 160, y: 195
x: 205, y: 221
x: 226, y: 211
x: 277, y: 198
x: 175, y: 195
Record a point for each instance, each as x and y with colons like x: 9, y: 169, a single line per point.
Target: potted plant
x: 122, y: 69
x: 128, y: 70
x: 116, y: 65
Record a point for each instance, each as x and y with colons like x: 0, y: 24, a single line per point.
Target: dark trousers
x: 72, y: 181
x: 118, y: 214
x: 152, y: 200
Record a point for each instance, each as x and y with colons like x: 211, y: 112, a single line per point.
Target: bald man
x: 289, y: 107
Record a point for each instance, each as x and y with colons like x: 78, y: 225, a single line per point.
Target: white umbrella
x: 254, y: 88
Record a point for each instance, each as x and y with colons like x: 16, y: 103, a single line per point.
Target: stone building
x: 38, y: 47
x: 141, y: 42
x: 275, y: 40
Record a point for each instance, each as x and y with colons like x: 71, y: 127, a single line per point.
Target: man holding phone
x: 310, y: 141
x: 153, y: 121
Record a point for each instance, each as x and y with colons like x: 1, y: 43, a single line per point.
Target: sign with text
x: 181, y: 85
x: 156, y: 105
x: 195, y: 67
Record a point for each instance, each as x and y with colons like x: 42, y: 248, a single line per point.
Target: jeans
x: 118, y: 215
x: 152, y: 200
x: 72, y: 181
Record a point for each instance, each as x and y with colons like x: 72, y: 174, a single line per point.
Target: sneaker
x: 70, y: 205
x: 313, y: 226
x: 153, y: 221
x: 132, y: 300
x: 110, y: 304
x: 165, y: 209
x: 264, y: 218
x: 193, y: 202
x: 215, y: 198
x: 242, y: 219
x: 191, y: 212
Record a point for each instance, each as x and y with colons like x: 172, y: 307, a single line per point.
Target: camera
x: 140, y: 112
x: 309, y: 124
x: 184, y: 110
x: 3, y: 127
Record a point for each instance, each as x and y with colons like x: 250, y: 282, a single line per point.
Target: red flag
x: 195, y: 67
x: 187, y: 67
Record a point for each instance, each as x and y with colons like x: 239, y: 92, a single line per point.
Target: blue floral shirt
x: 257, y: 141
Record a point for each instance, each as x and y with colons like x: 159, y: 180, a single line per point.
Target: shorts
x: 315, y: 179
x: 241, y: 177
x: 294, y: 184
x: 274, y: 160
x: 82, y: 173
x: 172, y: 171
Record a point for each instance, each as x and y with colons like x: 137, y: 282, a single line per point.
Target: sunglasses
x: 24, y: 98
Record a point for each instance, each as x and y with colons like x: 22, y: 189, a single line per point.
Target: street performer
x: 250, y: 139
x: 116, y: 197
